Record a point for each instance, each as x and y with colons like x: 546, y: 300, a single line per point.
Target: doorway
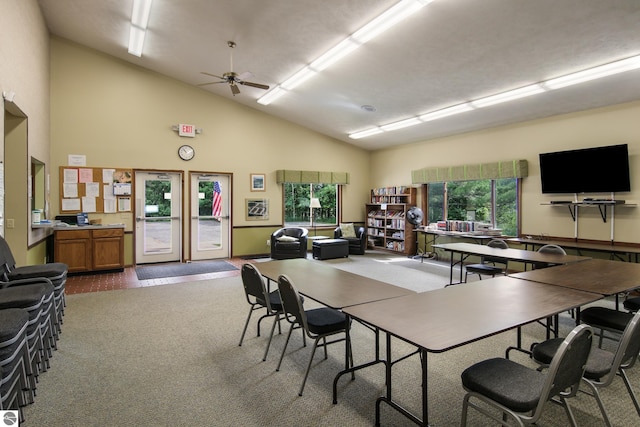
x: 158, y: 217
x: 210, y: 206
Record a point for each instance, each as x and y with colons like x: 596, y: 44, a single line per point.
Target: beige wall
x: 120, y: 115
x: 606, y: 126
x: 24, y: 69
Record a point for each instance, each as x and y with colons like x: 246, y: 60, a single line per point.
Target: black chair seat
x: 598, y: 363
x: 487, y: 378
x: 325, y: 320
x: 606, y: 318
x: 12, y: 320
x: 484, y: 269
x: 632, y: 304
x: 50, y: 271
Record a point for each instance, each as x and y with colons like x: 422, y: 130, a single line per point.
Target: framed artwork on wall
x: 258, y: 182
x: 257, y: 209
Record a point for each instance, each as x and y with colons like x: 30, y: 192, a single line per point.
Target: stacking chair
x: 489, y: 265
x: 14, y: 360
x: 521, y: 392
x: 36, y: 300
x: 56, y: 272
x: 605, y: 319
x: 602, y: 365
x: 259, y: 298
x: 317, y: 324
x: 548, y: 249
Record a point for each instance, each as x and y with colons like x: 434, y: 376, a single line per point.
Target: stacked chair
x: 36, y: 292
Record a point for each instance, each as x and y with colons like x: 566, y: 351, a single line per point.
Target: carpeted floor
x: 182, y: 269
x: 169, y: 356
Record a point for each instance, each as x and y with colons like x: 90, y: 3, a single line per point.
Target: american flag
x: 217, y: 200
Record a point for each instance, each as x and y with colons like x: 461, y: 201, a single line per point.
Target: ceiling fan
x: 234, y: 79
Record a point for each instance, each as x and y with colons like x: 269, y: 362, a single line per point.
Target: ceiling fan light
x: 445, y: 112
x: 605, y: 70
x: 401, y: 124
x: 298, y: 78
x: 388, y: 19
x: 271, y: 96
x: 509, y: 95
x: 365, y: 133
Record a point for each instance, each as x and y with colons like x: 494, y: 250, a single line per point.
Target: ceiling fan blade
x: 210, y: 83
x: 234, y: 89
x: 258, y: 85
x: 212, y: 75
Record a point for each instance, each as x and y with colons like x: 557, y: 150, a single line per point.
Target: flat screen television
x: 588, y: 170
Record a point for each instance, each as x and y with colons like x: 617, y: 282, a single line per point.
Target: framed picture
x: 257, y: 209
x: 258, y: 182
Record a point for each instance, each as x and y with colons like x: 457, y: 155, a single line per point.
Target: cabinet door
x: 75, y: 252
x: 108, y: 251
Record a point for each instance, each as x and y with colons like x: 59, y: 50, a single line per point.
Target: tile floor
x: 127, y: 279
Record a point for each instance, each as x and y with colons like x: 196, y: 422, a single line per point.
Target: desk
x: 467, y: 249
x: 328, y: 285
x: 482, y: 238
x: 614, y: 250
x: 443, y: 319
x: 596, y: 275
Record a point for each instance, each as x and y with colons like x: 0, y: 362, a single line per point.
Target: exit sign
x: 186, y: 130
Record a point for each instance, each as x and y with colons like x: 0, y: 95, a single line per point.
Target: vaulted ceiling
x: 448, y: 53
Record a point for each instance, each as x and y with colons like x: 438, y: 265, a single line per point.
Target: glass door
x: 158, y: 217
x: 210, y: 207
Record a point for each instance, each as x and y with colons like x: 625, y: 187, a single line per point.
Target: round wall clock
x: 186, y: 152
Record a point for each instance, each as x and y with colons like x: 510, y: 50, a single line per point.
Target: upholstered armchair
x: 357, y: 238
x: 289, y: 242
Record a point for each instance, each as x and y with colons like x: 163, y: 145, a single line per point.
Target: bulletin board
x: 95, y: 190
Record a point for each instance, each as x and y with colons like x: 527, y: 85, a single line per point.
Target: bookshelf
x: 387, y: 227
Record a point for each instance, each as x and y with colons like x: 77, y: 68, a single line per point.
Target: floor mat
x: 187, y: 269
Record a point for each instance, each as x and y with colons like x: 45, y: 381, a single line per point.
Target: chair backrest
x: 500, y: 244
x: 297, y: 232
x: 552, y: 249
x: 7, y: 261
x: 629, y: 346
x: 292, y: 302
x: 254, y: 286
x: 568, y: 364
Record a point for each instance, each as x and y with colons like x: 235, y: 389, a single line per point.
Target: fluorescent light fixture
x: 298, y: 78
x: 140, y: 13
x: 365, y: 133
x: 136, y: 40
x: 272, y: 95
x: 449, y: 111
x: 621, y: 66
x: 388, y: 19
x: 509, y: 95
x: 334, y: 54
x: 401, y: 124
x: 139, y: 22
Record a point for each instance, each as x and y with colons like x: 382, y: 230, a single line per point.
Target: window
x: 297, y: 198
x: 489, y: 201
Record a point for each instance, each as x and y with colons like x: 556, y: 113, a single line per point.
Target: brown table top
x: 602, y: 247
x: 328, y: 285
x: 510, y: 253
x: 442, y: 319
x: 596, y: 275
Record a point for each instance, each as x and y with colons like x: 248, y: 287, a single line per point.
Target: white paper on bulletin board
x: 70, y: 204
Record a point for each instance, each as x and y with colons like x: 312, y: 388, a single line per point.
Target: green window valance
x: 496, y: 170
x: 312, y: 177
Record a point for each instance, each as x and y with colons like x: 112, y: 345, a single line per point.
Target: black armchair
x: 357, y: 244
x: 289, y: 242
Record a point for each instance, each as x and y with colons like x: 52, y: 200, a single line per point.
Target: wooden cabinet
x: 85, y: 250
x: 387, y: 227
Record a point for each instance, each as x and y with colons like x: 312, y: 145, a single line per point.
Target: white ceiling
x: 450, y: 52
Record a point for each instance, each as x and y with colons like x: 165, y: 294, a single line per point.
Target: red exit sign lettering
x: 186, y: 130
